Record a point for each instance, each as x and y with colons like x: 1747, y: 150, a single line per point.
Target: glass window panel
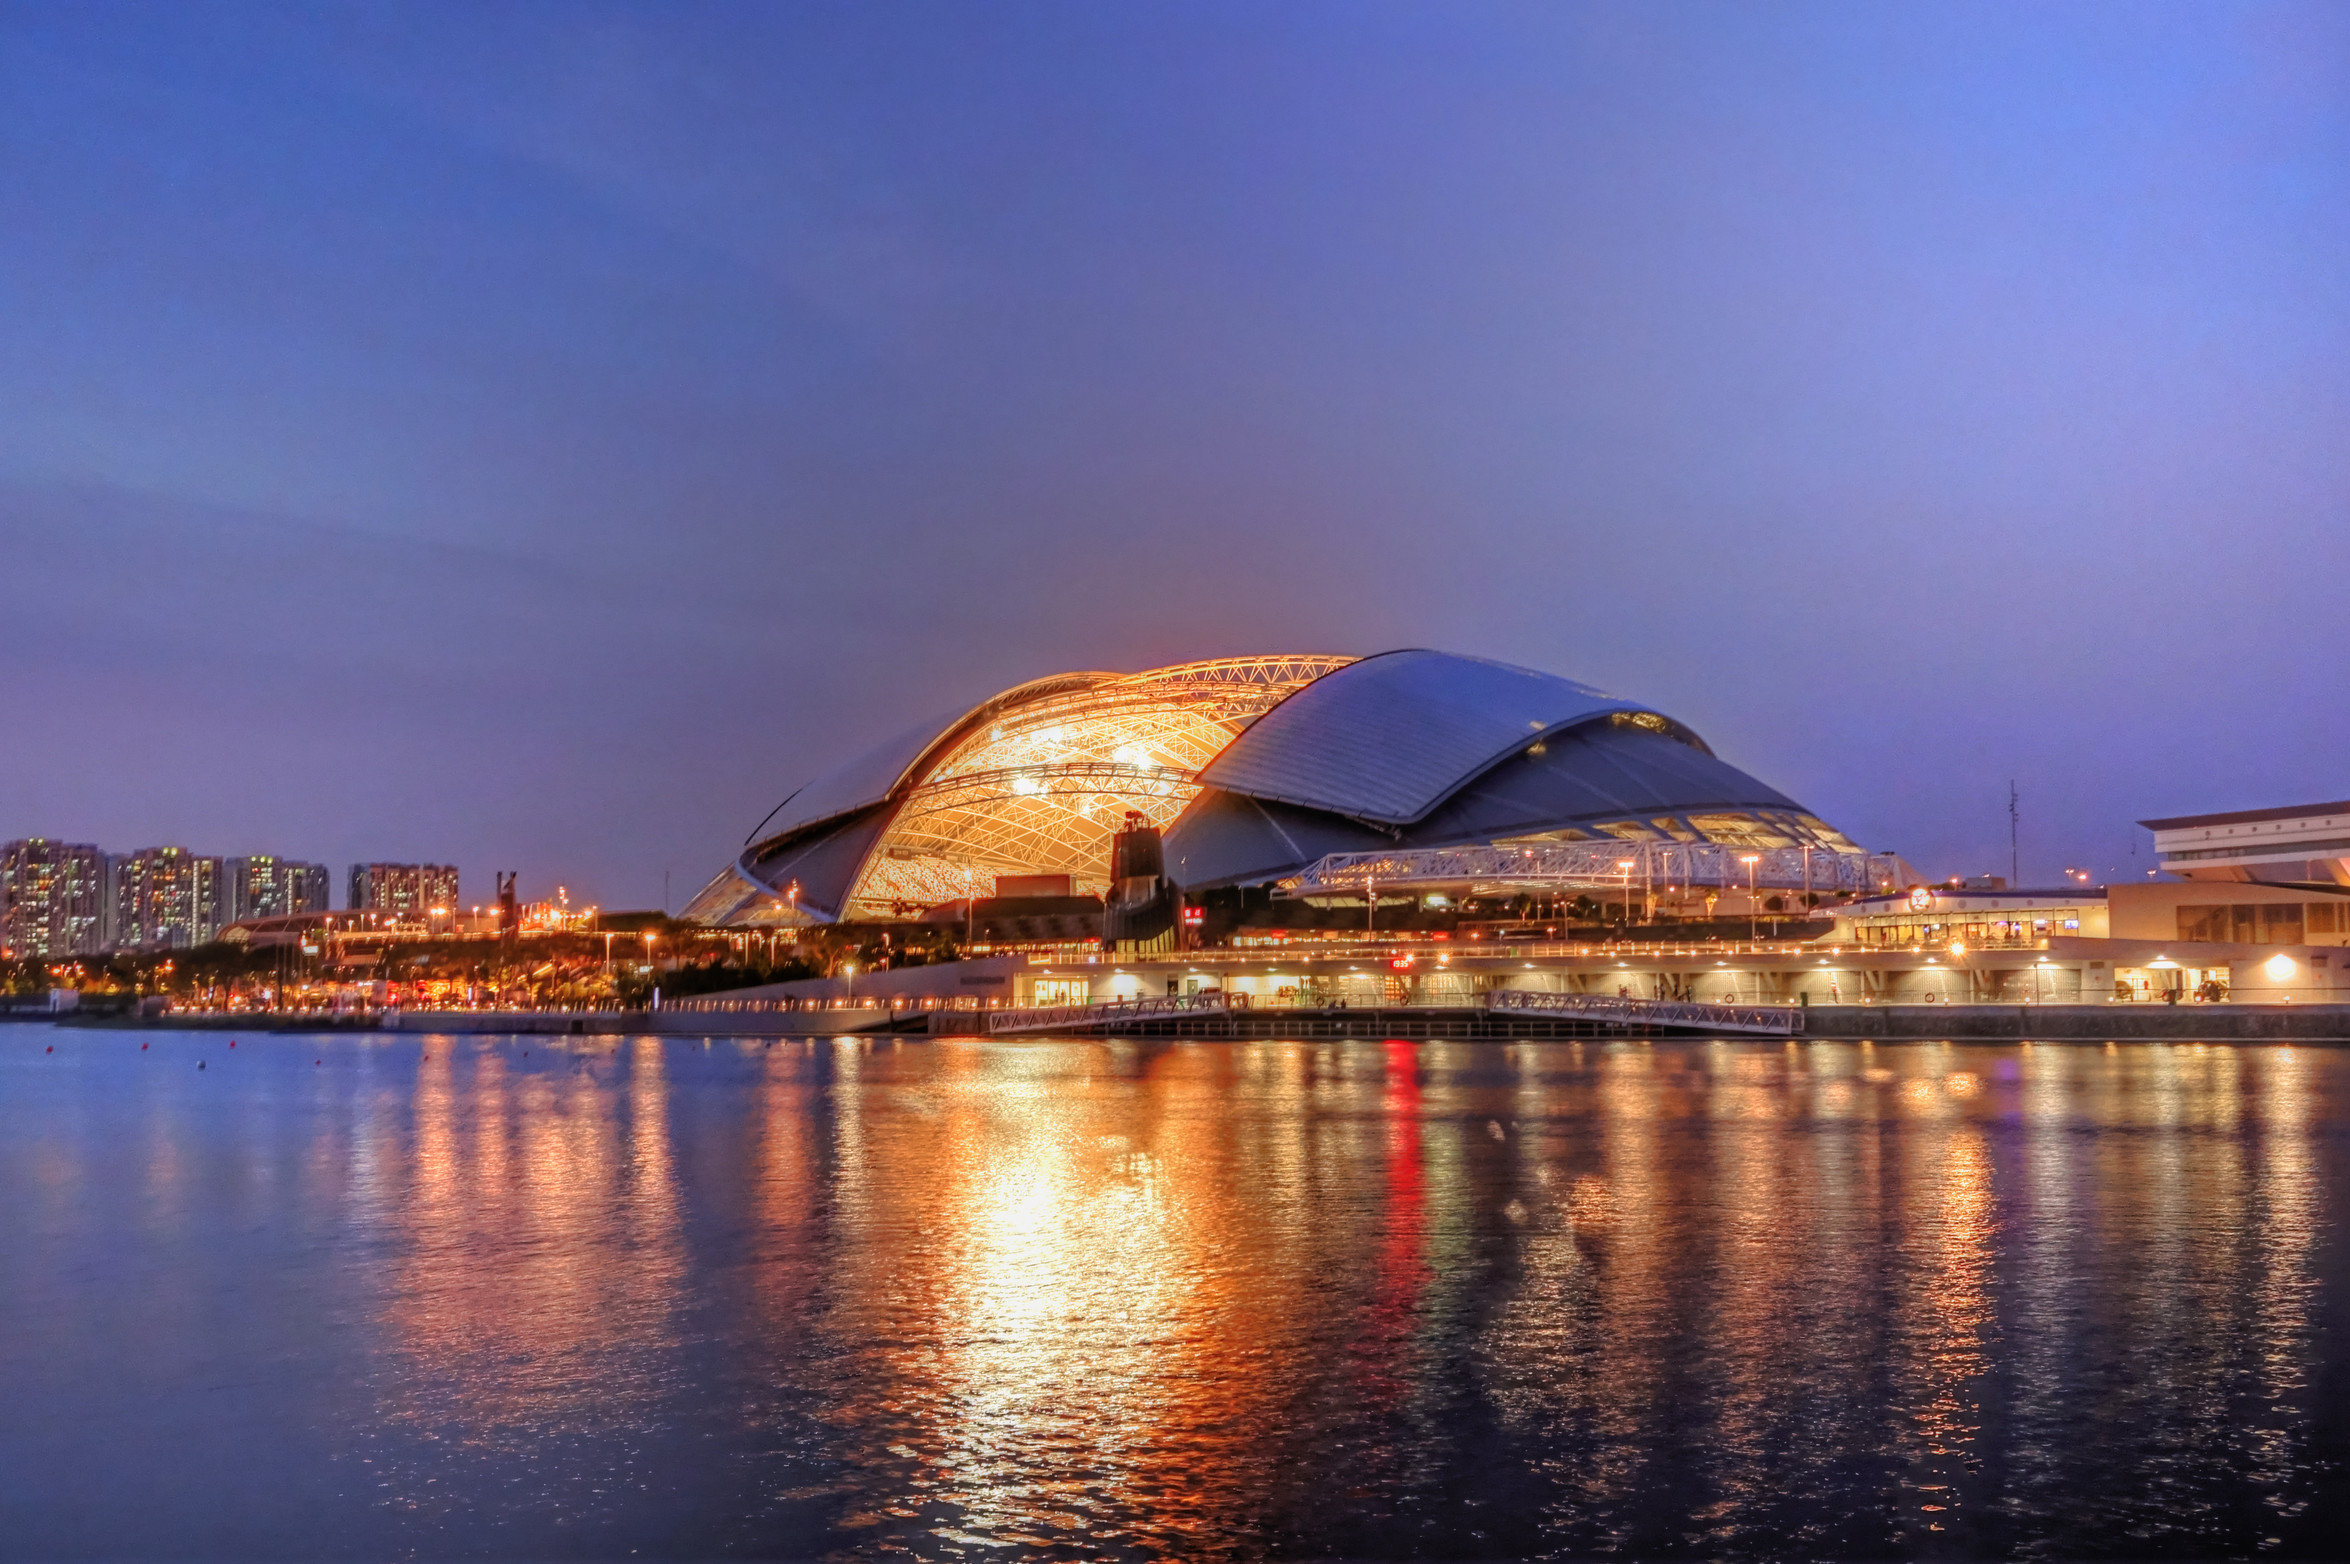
x: 1741, y: 831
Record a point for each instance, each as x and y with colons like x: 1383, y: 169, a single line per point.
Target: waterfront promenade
x: 2090, y: 1023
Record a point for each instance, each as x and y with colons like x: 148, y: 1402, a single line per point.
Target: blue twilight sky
x: 541, y: 436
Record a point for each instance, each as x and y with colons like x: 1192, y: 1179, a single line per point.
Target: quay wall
x: 1887, y: 1023
x: 2231, y: 1023
x: 574, y: 1023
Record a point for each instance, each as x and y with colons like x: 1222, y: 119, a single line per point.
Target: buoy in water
x: 199, y: 1064
x: 142, y: 1048
x: 52, y: 1048
x: 232, y: 1042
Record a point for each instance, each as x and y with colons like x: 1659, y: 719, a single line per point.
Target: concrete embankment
x: 596, y: 1023
x: 1886, y: 1023
x: 2231, y: 1023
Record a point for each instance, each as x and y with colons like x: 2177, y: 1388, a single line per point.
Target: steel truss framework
x: 1041, y: 786
x: 1644, y: 867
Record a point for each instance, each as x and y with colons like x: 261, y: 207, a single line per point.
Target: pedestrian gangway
x: 1502, y: 1014
x: 1645, y: 1014
x: 1032, y: 1019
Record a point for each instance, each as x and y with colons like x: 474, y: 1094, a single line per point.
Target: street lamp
x: 1625, y: 864
x: 1753, y: 920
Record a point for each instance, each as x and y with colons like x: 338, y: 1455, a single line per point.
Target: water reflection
x: 961, y: 1299
x: 541, y: 1252
x: 1054, y: 1324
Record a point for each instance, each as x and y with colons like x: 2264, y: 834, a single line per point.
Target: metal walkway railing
x: 1643, y: 1014
x: 1062, y: 1018
x: 1682, y: 1015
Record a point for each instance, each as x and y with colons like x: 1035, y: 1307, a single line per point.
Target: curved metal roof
x: 1390, y: 738
x: 1601, y: 771
x: 896, y: 761
x: 823, y: 864
x: 1256, y: 766
x: 855, y: 784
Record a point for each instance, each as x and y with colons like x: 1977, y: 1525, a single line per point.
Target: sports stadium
x: 1309, y: 780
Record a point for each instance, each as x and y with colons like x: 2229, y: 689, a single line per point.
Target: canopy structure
x: 1257, y: 768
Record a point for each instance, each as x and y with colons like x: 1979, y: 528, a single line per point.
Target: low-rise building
x: 2232, y: 913
x: 1937, y: 916
x: 2297, y: 844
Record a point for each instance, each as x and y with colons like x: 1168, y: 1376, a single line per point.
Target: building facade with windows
x: 261, y: 885
x: 2242, y: 912
x: 167, y: 898
x: 53, y: 900
x: 406, y: 892
x: 2297, y: 844
x: 1938, y: 916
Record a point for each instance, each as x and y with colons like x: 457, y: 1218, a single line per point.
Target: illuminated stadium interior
x: 1041, y: 787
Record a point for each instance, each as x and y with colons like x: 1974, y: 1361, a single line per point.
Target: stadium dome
x: 1256, y: 768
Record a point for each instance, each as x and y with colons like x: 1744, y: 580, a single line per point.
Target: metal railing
x: 1775, y: 1020
x: 1601, y: 866
x: 1039, y: 1018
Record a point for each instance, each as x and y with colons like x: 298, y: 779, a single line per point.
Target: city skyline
x: 62, y: 899
x: 1913, y: 408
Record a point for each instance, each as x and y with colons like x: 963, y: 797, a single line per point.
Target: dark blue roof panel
x: 855, y: 784
x: 1600, y: 772
x: 1391, y: 737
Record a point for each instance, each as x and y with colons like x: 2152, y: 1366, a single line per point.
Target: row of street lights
x: 1753, y: 862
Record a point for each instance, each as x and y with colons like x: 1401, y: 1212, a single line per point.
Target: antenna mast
x: 2014, y: 879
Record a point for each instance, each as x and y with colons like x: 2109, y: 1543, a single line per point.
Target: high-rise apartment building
x: 167, y: 898
x: 407, y: 891
x: 263, y: 886
x: 52, y: 899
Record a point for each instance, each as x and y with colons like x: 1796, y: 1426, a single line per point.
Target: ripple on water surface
x: 529, y: 1296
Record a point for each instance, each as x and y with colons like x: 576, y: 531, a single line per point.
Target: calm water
x: 391, y: 1297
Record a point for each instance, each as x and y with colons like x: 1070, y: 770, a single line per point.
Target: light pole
x: 1625, y: 865
x: 1753, y: 918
